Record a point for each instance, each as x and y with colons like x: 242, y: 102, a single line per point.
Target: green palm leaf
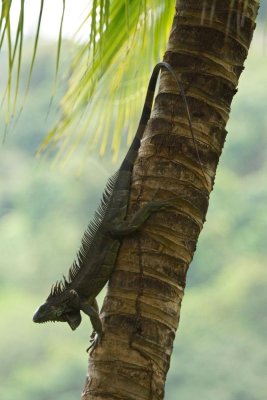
x: 109, y: 72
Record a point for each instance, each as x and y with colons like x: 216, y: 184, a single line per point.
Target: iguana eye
x: 58, y: 313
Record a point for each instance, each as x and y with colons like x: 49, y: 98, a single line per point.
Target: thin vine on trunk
x: 208, y: 45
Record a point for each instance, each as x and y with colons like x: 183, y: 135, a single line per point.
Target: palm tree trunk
x: 207, y: 48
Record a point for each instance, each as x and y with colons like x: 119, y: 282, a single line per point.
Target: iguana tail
x: 127, y: 164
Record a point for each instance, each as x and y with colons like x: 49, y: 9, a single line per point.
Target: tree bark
x: 207, y: 48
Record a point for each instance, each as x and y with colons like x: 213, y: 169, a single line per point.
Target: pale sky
x: 75, y: 12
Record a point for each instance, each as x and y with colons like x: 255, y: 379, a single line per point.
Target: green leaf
x: 110, y: 74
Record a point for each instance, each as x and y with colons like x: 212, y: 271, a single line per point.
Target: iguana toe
x: 95, y: 340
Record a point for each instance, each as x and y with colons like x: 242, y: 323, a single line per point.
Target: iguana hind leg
x: 124, y: 228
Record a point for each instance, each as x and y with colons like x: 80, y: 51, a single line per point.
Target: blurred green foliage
x: 220, y: 351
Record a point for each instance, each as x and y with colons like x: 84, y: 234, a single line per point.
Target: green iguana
x: 101, y: 241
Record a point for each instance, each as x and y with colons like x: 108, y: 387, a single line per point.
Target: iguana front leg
x: 124, y: 228
x: 91, y: 309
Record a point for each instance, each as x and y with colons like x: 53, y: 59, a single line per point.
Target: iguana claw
x: 95, y: 340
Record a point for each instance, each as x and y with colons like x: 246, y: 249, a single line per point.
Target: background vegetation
x: 221, y: 347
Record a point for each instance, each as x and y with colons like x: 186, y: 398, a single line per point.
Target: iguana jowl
x: 101, y: 241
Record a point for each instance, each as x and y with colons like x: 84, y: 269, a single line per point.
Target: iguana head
x: 61, y: 308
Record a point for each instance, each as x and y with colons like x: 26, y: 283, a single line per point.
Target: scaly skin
x: 100, y: 244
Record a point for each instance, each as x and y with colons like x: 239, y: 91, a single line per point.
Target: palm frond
x: 110, y: 73
x: 14, y: 51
